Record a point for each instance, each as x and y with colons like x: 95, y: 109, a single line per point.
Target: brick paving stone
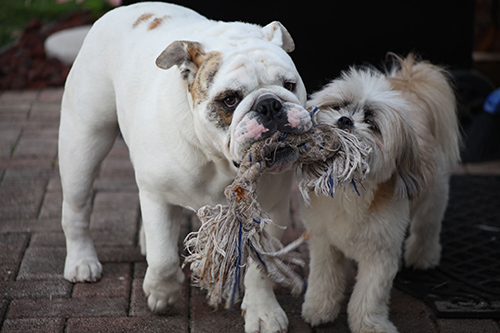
x: 468, y: 326
x: 55, y: 288
x: 120, y: 254
x: 413, y: 322
x: 135, y: 324
x: 50, y: 95
x: 12, y: 247
x: 31, y: 225
x: 68, y: 307
x: 117, y: 167
x: 205, y: 319
x: 35, y: 325
x: 21, y: 193
x: 45, y: 112
x: 48, y: 239
x: 115, y: 282
x: 3, y: 308
x: 51, y: 206
x: 114, y: 219
x: 14, y: 112
x: 41, y: 263
x: 23, y: 164
x: 26, y: 95
x: 32, y: 147
x: 8, y: 138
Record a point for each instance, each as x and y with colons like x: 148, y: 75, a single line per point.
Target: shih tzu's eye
x: 289, y: 85
x: 339, y: 106
x: 369, y: 120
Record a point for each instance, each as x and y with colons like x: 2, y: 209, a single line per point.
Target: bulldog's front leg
x: 260, y: 307
x: 162, y: 283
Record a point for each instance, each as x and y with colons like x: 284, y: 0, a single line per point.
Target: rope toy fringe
x: 230, y: 234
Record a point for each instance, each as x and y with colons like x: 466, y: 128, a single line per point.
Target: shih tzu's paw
x: 371, y: 324
x: 319, y: 309
x: 419, y: 255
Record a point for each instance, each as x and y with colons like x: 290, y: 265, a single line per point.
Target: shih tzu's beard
x: 351, y: 162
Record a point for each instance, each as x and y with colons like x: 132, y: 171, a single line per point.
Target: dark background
x: 332, y: 35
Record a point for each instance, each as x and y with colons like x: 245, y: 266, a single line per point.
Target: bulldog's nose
x: 345, y: 123
x: 269, y: 107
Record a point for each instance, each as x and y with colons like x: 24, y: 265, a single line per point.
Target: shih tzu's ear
x: 276, y: 33
x: 187, y: 56
x: 409, y: 178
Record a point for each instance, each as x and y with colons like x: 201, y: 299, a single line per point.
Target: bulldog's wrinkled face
x: 242, y: 95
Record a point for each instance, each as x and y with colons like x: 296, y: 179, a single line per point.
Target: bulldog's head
x: 244, y: 89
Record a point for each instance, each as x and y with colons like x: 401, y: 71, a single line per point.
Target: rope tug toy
x: 229, y: 234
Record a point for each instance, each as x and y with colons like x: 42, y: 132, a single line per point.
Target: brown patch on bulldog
x: 156, y: 22
x: 208, y: 66
x: 142, y: 18
x: 383, y: 195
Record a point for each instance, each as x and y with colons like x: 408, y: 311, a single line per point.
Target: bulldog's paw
x: 263, y: 314
x: 162, y: 292
x: 371, y: 324
x: 420, y: 255
x: 319, y: 310
x: 86, y: 270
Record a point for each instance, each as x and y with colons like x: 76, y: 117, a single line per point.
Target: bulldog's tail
x: 428, y: 85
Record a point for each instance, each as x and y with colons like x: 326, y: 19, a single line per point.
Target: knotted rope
x: 229, y: 234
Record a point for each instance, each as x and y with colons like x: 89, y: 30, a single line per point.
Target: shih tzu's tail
x: 431, y: 86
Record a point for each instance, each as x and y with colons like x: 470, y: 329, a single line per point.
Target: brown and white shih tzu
x: 408, y: 117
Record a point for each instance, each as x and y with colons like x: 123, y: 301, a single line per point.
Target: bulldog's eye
x: 289, y: 85
x: 231, y: 101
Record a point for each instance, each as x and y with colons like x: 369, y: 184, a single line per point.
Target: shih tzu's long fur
x: 408, y: 117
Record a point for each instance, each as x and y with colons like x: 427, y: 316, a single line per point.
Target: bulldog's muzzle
x: 272, y: 115
x: 267, y: 115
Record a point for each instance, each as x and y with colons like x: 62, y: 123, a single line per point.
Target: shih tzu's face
x: 363, y: 102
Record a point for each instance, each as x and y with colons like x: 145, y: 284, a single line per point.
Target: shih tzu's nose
x: 345, y: 123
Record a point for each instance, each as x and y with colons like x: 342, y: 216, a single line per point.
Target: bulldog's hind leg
x: 161, y: 221
x: 87, y: 133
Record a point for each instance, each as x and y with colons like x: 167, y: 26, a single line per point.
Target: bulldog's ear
x: 187, y: 56
x: 276, y: 33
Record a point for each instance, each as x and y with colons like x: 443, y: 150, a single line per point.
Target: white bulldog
x: 189, y: 96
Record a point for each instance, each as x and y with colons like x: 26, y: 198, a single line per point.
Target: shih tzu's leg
x: 423, y: 248
x: 326, y: 282
x: 368, y: 308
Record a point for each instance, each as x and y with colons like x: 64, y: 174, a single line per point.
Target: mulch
x: 25, y: 65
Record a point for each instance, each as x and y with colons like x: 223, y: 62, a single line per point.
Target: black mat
x: 467, y: 283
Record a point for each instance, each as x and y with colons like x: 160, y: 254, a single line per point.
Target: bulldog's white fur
x: 408, y: 118
x: 189, y: 96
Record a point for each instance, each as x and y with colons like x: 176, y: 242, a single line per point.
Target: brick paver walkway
x: 35, y: 298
